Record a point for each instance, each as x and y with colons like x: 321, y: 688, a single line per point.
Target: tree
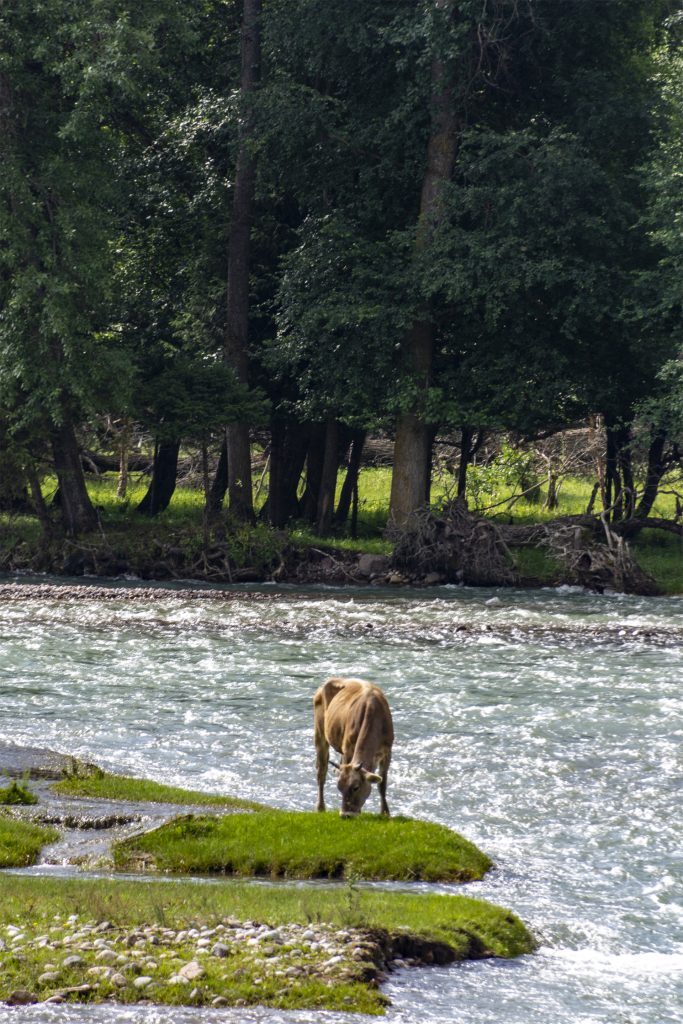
x: 237, y: 324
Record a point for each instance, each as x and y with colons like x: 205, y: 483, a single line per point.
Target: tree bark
x: 41, y: 509
x: 314, y: 472
x: 466, y: 436
x: 163, y: 482
x: 350, y: 485
x: 328, y: 481
x: 124, y: 452
x: 77, y: 512
x: 410, y: 478
x: 656, y: 468
x: 219, y: 486
x: 289, y: 442
x: 237, y: 326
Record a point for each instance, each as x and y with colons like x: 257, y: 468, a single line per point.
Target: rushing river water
x: 544, y: 725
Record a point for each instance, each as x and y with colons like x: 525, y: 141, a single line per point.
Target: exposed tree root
x: 463, y: 547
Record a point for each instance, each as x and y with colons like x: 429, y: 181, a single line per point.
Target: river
x: 546, y: 726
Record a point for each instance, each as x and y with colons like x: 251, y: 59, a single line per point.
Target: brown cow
x: 353, y: 716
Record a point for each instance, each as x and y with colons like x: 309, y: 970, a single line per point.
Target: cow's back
x: 355, y: 710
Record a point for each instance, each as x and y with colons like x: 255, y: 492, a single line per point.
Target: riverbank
x: 175, y: 547
x: 231, y: 944
x: 219, y: 943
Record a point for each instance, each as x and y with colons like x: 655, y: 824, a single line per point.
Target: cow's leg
x: 383, y: 770
x: 322, y: 747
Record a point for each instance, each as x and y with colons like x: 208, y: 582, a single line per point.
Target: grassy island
x: 101, y: 785
x: 22, y: 841
x: 232, y: 944
x: 290, y: 844
x: 225, y: 942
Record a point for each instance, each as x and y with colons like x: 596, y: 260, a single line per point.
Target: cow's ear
x: 371, y: 776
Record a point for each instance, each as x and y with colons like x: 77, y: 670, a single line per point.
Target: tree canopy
x: 318, y: 218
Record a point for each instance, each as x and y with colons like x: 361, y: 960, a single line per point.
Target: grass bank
x: 21, y: 842
x: 180, y: 904
x: 173, y: 544
x: 232, y: 944
x: 101, y: 785
x: 291, y: 844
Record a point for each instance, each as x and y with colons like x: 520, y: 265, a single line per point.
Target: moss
x: 21, y: 842
x: 307, y: 845
x: 102, y: 785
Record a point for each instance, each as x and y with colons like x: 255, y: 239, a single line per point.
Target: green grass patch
x: 661, y: 554
x: 291, y: 844
x: 22, y: 841
x: 17, y: 793
x: 177, y: 904
x: 105, y: 786
x: 538, y: 565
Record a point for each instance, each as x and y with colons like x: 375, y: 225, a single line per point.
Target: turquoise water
x: 546, y: 726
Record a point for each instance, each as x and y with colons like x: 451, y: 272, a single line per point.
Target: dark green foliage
x: 546, y: 277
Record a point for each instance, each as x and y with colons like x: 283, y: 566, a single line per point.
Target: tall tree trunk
x: 219, y: 485
x: 314, y: 472
x: 237, y: 326
x: 350, y: 485
x: 124, y: 452
x: 163, y: 482
x: 39, y: 505
x: 625, y: 464
x: 289, y: 442
x: 78, y: 514
x: 656, y: 467
x: 410, y: 478
x: 466, y: 435
x: 328, y: 481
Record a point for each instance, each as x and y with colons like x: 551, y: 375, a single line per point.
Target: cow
x: 353, y: 717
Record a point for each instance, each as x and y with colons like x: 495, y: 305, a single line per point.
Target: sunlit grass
x: 296, y: 844
x: 104, y: 786
x: 177, y: 904
x: 22, y: 841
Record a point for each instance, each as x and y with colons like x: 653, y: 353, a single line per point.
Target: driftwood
x: 528, y: 535
x: 456, y: 544
x: 592, y: 552
x: 463, y: 547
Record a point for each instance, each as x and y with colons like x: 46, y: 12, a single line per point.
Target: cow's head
x: 354, y: 784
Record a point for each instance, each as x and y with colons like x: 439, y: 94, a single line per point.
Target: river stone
x: 47, y: 977
x: 73, y: 961
x: 143, y: 981
x: 178, y: 979
x: 109, y: 955
x: 21, y: 997
x: 192, y: 971
x: 118, y: 980
x: 220, y: 949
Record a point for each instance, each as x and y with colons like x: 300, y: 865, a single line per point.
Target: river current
x: 546, y: 726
